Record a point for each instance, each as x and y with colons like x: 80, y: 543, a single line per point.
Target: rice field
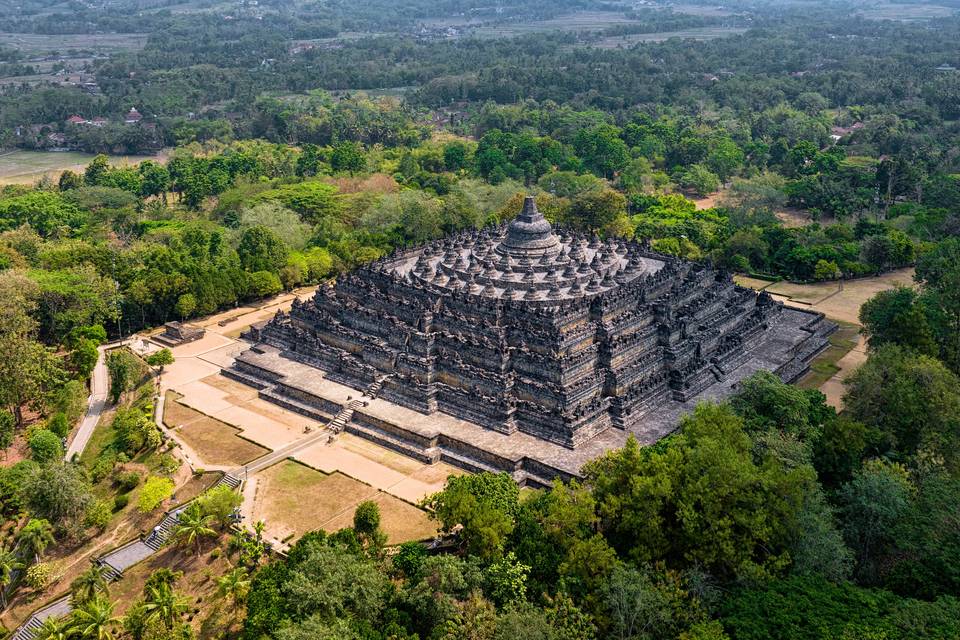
x: 26, y: 167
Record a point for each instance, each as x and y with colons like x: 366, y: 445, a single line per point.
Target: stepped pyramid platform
x: 523, y: 348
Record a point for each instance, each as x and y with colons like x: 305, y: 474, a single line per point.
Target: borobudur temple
x: 524, y: 347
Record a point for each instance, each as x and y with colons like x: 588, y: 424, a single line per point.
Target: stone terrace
x: 786, y: 348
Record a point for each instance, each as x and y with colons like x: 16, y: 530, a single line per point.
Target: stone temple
x: 524, y: 348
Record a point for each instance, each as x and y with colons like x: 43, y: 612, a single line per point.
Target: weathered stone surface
x: 530, y: 329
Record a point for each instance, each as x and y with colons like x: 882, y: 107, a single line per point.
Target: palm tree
x: 94, y: 620
x: 53, y: 628
x: 37, y: 535
x: 235, y: 586
x: 9, y: 562
x: 89, y: 584
x: 193, y: 526
x: 165, y: 605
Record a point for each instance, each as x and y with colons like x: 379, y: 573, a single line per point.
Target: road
x: 96, y: 403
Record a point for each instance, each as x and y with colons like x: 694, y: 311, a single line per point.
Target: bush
x: 127, y: 481
x: 59, y: 424
x: 45, y: 446
x: 154, y: 492
x: 38, y: 576
x: 120, y: 502
x: 98, y: 514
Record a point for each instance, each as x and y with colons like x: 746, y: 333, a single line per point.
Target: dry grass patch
x: 176, y: 414
x: 237, y: 393
x: 808, y: 293
x: 294, y: 499
x: 219, y: 443
x: 401, y: 521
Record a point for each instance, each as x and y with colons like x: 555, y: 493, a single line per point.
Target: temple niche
x: 568, y: 339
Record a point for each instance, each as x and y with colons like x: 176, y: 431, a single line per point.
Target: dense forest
x: 811, y: 143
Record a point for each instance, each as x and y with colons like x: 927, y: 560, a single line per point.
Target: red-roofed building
x: 133, y: 116
x: 76, y: 120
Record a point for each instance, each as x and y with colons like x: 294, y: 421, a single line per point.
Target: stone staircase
x: 114, y: 563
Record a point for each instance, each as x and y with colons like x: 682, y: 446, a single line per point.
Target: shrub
x: 98, y: 514
x: 59, y: 424
x: 45, y: 446
x: 154, y: 491
x: 38, y: 576
x: 127, y: 481
x: 120, y: 502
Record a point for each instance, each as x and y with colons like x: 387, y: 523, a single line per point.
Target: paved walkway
x: 96, y: 403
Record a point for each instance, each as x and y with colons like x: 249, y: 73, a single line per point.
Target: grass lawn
x: 214, y: 441
x: 293, y: 498
x: 824, y: 366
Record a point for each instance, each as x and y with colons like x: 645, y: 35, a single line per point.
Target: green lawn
x: 824, y: 366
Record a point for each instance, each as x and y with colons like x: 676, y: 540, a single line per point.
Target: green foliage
x: 485, y: 505
x: 56, y: 491
x: 912, y: 400
x: 219, y: 503
x: 701, y: 500
x: 45, y: 446
x: 896, y: 317
x: 809, y: 608
x: 126, y: 371
x: 154, y: 491
x: 160, y: 358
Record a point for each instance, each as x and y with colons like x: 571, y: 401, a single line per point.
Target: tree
x: 485, y: 505
x: 90, y: 584
x: 597, y: 210
x: 56, y: 491
x: 185, y: 306
x: 873, y: 502
x: 896, y: 316
x: 333, y: 583
x: 28, y: 372
x: 912, y: 400
x: 45, y: 446
x: 220, y: 504
x: 93, y: 620
x: 9, y: 562
x: 699, y: 179
x: 506, y: 581
x: 260, y: 249
x: 938, y: 272
x: 54, y: 628
x: 637, y: 606
x: 36, y: 536
x: 700, y: 498
x: 83, y: 358
x: 97, y: 170
x: 366, y: 524
x: 349, y: 157
x: 160, y: 358
x: 164, y: 605
x: 7, y: 423
x: 154, y: 491
x: 69, y: 180
x: 124, y: 369
x: 193, y: 526
x: 602, y: 149
x: 263, y: 284
x: 234, y: 586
